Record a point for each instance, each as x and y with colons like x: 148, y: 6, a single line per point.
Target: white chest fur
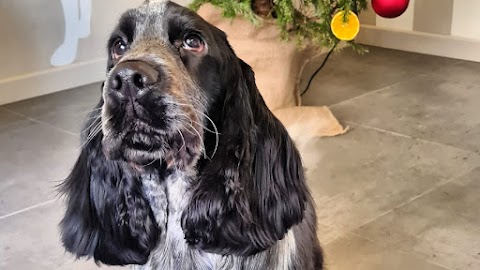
x: 168, y: 199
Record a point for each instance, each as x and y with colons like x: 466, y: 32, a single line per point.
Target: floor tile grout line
x: 393, y: 133
x: 22, y: 118
x: 375, y: 90
x: 414, y: 198
x: 27, y: 209
x: 42, y: 122
x: 330, y: 227
x: 341, y: 235
x: 409, y: 137
x: 14, y: 113
x: 353, y: 233
x: 423, y: 259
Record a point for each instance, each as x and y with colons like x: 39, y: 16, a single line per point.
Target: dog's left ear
x: 253, y: 189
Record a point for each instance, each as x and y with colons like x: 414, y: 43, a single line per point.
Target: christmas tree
x: 300, y: 19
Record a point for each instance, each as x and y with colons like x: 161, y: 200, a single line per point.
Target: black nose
x: 131, y: 77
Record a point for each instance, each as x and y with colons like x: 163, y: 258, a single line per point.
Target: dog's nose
x: 130, y: 77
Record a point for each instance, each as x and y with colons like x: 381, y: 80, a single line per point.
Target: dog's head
x: 177, y: 97
x: 166, y: 68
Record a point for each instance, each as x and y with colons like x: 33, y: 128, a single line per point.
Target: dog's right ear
x: 107, y: 215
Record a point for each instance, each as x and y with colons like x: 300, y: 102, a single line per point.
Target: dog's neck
x: 168, y: 198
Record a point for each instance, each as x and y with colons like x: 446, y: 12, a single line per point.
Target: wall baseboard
x: 446, y: 46
x: 52, y: 80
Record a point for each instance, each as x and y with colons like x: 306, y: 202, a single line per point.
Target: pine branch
x: 310, y: 22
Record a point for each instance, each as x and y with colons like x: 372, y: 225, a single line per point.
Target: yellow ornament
x: 345, y: 30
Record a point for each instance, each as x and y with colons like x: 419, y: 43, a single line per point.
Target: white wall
x: 404, y: 22
x: 449, y: 28
x: 32, y: 30
x: 466, y: 19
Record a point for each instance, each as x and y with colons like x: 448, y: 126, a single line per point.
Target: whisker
x: 217, y: 139
x: 91, y: 111
x: 195, y: 133
x: 185, y: 123
x: 204, y: 127
x: 193, y: 108
x: 95, y: 109
x: 150, y: 163
x: 201, y: 140
x: 91, y: 135
x: 94, y: 132
x: 193, y: 121
x: 92, y: 117
x: 183, y: 139
x: 92, y: 124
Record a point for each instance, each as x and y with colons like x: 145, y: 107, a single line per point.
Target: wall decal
x: 77, y: 14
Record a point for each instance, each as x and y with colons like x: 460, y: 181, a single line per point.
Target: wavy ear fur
x: 253, y: 190
x: 107, y: 215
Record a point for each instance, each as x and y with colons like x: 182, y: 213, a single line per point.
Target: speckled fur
x: 173, y: 253
x: 157, y: 186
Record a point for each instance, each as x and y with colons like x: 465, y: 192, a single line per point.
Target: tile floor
x: 400, y: 190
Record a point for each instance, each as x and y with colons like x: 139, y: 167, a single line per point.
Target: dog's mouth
x: 149, y: 136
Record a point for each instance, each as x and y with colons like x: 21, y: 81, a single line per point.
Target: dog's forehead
x: 156, y: 18
x: 150, y: 19
x: 154, y: 8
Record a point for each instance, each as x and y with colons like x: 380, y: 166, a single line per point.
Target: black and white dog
x: 182, y: 165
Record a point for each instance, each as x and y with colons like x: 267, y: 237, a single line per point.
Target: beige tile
x: 364, y: 173
x: 356, y: 253
x: 7, y: 118
x: 435, y: 109
x: 30, y: 240
x: 348, y: 74
x: 66, y: 110
x: 463, y: 71
x: 442, y: 226
x: 327, y: 234
x: 33, y: 159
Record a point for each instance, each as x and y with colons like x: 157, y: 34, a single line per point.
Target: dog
x: 182, y: 165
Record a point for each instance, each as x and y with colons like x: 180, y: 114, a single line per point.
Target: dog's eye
x: 119, y: 48
x: 193, y: 42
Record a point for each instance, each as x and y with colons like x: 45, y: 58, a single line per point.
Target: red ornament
x: 390, y: 8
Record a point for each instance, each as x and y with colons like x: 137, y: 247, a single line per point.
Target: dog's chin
x: 174, y: 151
x: 137, y: 160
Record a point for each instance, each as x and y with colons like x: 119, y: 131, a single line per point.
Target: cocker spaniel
x: 182, y: 165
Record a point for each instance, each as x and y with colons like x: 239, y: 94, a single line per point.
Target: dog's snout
x: 130, y: 77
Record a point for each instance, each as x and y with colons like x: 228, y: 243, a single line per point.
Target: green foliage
x: 308, y: 21
x: 231, y: 8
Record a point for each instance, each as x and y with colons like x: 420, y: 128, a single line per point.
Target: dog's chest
x: 168, y: 200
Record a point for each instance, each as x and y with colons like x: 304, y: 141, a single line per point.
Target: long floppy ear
x: 107, y: 215
x: 253, y: 189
